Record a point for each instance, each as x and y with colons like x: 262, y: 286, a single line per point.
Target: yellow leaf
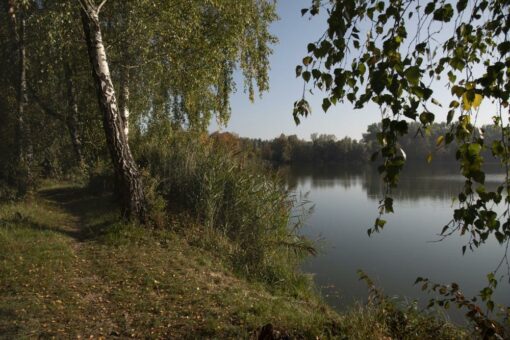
x: 439, y: 140
x: 468, y: 105
x: 478, y: 101
x: 429, y: 157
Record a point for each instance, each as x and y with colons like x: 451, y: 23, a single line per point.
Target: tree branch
x: 98, y: 9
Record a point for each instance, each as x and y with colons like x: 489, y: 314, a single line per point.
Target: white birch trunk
x: 128, y: 178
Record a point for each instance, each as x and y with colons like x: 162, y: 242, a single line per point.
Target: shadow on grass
x: 90, y: 215
x: 21, y: 221
x: 8, y: 328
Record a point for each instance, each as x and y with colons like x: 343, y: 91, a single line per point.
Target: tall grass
x: 230, y: 195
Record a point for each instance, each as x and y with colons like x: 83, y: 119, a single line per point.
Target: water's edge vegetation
x: 72, y: 268
x: 219, y: 261
x: 115, y: 98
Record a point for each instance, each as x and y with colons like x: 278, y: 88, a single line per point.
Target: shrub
x: 384, y: 317
x: 14, y: 182
x: 223, y: 191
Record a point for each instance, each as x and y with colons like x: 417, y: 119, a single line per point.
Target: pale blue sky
x: 271, y: 115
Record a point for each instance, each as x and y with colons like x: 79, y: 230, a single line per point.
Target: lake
x: 346, y: 201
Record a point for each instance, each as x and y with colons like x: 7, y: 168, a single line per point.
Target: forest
x: 123, y: 216
x: 419, y: 145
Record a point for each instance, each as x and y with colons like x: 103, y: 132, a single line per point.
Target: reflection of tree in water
x: 323, y: 176
x: 415, y: 185
x: 434, y: 181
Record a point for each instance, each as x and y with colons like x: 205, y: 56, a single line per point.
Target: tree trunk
x: 25, y: 151
x: 124, y: 101
x: 72, y: 116
x: 126, y: 171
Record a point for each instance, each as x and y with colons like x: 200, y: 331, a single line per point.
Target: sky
x: 271, y: 115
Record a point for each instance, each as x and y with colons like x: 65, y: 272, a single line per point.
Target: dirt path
x: 79, y: 208
x: 80, y: 221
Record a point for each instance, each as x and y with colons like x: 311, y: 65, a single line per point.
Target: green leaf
x: 497, y: 148
x: 452, y: 77
x: 454, y: 104
x: 412, y: 75
x: 461, y: 5
x: 478, y: 176
x: 430, y: 7
x: 448, y: 138
x: 444, y: 13
x: 307, y: 60
x: 326, y: 103
x: 420, y: 48
x: 378, y: 81
x: 504, y: 47
x: 306, y: 76
x: 458, y: 90
x: 362, y: 69
x: 379, y: 223
x: 316, y: 74
x: 474, y: 149
x: 449, y: 117
x: 388, y: 204
x: 427, y: 118
x: 299, y: 70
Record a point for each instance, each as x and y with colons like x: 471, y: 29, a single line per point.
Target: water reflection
x: 436, y: 182
x: 346, y: 200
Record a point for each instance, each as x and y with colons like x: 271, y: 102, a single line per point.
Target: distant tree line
x: 418, y: 146
x: 321, y: 148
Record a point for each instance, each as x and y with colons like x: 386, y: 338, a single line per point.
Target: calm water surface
x: 346, y: 201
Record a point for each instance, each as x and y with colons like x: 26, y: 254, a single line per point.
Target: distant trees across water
x: 418, y: 146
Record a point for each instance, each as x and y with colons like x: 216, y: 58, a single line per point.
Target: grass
x: 69, y: 268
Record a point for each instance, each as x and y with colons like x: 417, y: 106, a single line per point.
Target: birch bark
x: 130, y: 188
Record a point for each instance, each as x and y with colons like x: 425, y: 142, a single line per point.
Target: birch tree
x: 127, y: 175
x: 173, y: 54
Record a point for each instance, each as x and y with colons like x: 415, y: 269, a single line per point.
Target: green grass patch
x: 70, y: 268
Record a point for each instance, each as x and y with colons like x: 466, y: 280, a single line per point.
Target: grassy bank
x: 70, y: 269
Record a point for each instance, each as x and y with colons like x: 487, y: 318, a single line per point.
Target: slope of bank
x: 70, y: 269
